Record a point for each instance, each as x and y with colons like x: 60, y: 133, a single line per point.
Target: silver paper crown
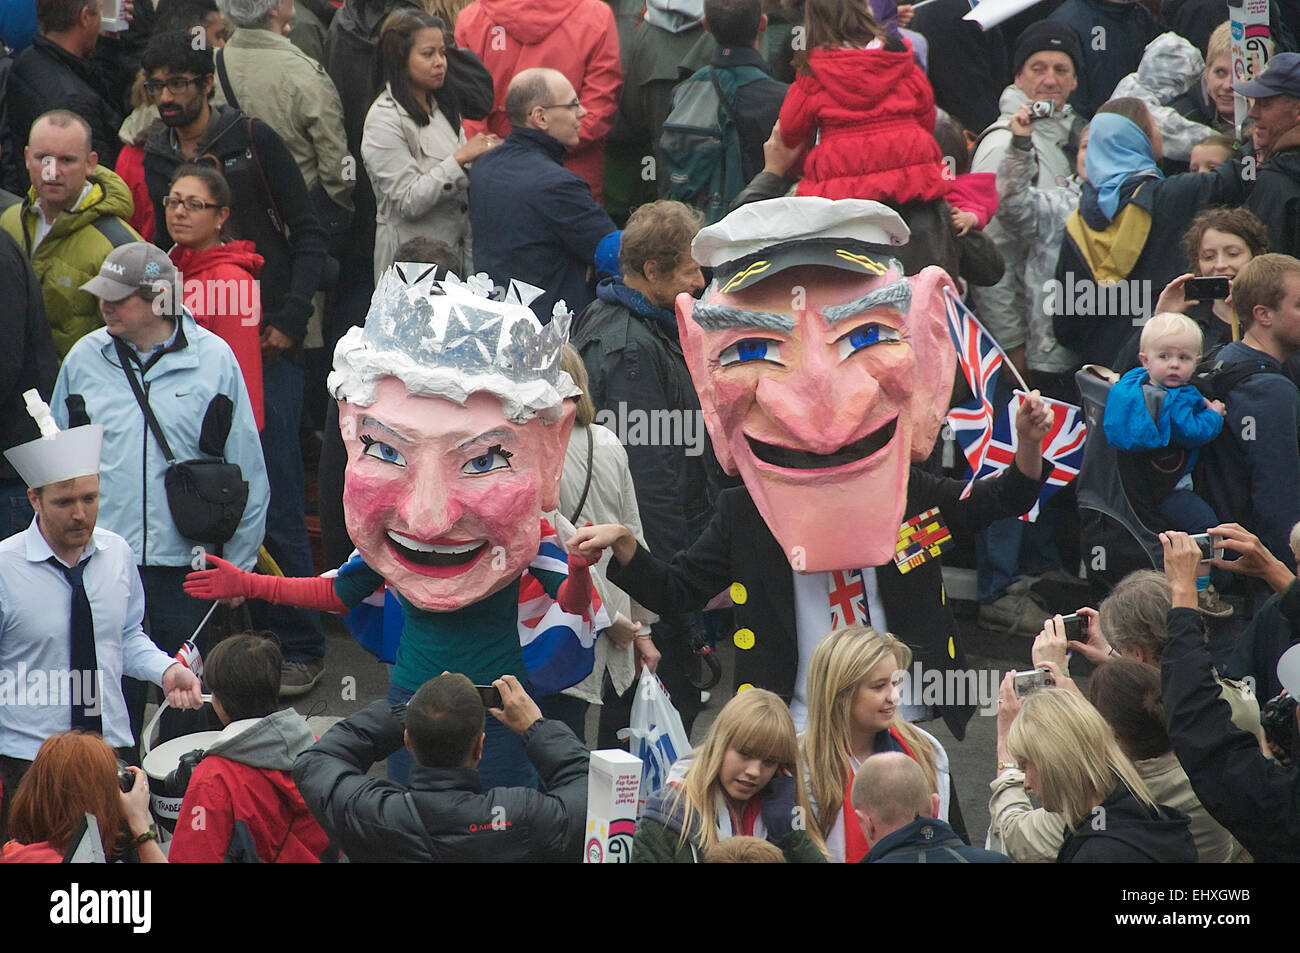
x: 447, y: 338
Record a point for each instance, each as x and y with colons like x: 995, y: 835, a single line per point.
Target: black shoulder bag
x: 206, y: 497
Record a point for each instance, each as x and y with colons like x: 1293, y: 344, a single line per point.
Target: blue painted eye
x: 494, y: 459
x: 751, y: 349
x: 865, y: 337
x: 382, y: 451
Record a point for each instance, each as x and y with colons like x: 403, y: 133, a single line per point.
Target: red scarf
x: 855, y: 842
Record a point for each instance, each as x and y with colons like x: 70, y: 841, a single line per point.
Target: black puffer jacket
x: 1123, y: 830
x: 445, y: 816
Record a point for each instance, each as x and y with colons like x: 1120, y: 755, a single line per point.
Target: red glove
x: 576, y: 591
x: 227, y: 581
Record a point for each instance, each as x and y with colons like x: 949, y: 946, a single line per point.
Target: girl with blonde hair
x: 1071, y: 759
x: 853, y: 712
x: 743, y: 781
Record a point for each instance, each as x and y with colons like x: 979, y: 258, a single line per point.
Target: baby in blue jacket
x: 1157, y: 420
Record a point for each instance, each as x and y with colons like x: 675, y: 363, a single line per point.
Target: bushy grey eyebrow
x: 896, y: 294
x: 722, y: 317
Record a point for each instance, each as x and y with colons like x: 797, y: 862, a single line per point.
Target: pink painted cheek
x: 500, y: 505
x: 370, y: 502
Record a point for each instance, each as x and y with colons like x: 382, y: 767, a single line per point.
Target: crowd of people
x: 593, y: 309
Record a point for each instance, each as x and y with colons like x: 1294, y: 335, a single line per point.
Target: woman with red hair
x: 76, y: 774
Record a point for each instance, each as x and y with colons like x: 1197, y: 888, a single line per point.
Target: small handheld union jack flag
x: 988, y: 438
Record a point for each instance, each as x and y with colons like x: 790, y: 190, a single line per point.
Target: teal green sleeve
x: 550, y: 581
x: 356, y: 583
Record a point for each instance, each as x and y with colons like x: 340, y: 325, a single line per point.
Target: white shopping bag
x: 655, y: 735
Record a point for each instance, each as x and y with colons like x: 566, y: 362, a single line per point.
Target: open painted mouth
x: 434, y: 555
x: 805, y: 460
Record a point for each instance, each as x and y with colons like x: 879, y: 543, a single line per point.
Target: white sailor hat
x: 761, y: 239
x: 56, y: 455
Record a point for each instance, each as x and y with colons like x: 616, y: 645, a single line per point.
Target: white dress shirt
x: 35, y: 613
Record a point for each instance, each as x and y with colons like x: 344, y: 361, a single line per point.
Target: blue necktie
x: 81, y: 652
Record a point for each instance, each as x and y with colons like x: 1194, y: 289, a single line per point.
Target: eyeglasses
x: 176, y: 86
x: 191, y: 204
x: 575, y: 106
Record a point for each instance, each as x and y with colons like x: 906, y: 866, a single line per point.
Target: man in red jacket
x: 576, y: 37
x: 241, y: 805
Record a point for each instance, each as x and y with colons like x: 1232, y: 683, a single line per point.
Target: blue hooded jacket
x: 1183, y: 419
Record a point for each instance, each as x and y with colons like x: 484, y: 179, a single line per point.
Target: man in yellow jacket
x: 73, y: 215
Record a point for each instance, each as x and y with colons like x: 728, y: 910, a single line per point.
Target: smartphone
x: 1213, y: 288
x: 1208, y: 550
x: 489, y: 695
x: 1031, y: 681
x: 1073, y: 626
x: 111, y: 21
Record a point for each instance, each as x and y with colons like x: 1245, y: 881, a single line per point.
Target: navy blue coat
x: 534, y: 220
x: 928, y: 840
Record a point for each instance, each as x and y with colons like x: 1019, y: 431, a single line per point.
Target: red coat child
x: 874, y: 111
x: 221, y: 291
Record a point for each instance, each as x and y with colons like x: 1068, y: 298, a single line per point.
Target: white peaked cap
x: 56, y: 455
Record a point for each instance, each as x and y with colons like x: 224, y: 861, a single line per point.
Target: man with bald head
x: 531, y: 218
x: 73, y: 215
x: 899, y: 817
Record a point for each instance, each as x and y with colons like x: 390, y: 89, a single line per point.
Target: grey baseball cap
x: 131, y: 269
x: 1281, y: 77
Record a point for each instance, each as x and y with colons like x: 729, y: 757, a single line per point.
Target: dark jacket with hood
x: 350, y: 61
x: 1123, y: 830
x: 46, y: 76
x: 252, y: 810
x: 634, y: 361
x: 1141, y: 247
x: 534, y: 220
x: 444, y: 816
x: 292, y: 270
x: 1256, y: 798
x: 1276, y: 198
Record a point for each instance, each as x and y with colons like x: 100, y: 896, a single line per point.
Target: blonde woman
x: 1071, y: 759
x: 853, y: 713
x: 742, y: 782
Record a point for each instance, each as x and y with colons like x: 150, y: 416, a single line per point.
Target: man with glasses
x: 272, y: 208
x: 531, y: 218
x: 73, y: 215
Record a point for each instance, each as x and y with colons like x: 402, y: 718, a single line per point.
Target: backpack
x: 1215, y: 378
x: 700, y: 146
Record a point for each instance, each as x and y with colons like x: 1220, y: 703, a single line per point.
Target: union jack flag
x: 1062, y: 448
x: 980, y: 359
